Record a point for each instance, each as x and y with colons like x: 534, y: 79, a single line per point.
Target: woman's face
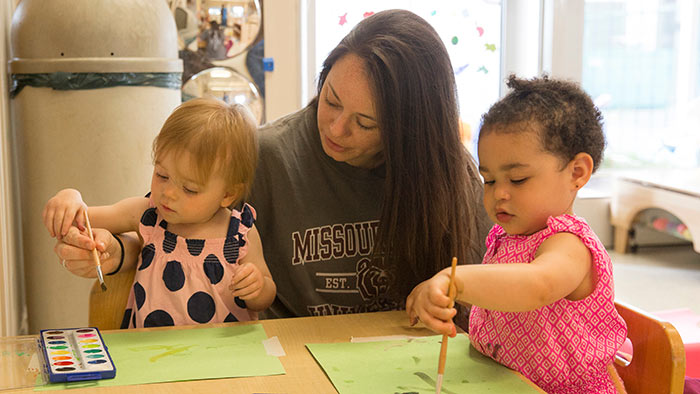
x: 347, y: 121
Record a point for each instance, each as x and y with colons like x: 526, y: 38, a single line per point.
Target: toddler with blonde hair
x: 202, y: 259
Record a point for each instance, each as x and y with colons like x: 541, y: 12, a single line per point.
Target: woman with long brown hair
x: 368, y: 190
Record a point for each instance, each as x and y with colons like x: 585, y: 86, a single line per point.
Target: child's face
x: 179, y: 197
x: 523, y: 184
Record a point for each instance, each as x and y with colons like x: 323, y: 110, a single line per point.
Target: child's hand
x: 62, y: 210
x: 247, y: 282
x: 429, y: 303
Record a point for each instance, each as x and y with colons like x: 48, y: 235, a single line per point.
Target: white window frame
x: 538, y: 36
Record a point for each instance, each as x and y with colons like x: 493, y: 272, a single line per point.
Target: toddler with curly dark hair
x: 542, y: 300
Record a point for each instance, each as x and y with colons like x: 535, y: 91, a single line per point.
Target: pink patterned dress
x: 183, y: 281
x: 563, y: 347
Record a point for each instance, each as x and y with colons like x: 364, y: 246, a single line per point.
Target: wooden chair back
x: 107, y: 307
x: 658, y: 355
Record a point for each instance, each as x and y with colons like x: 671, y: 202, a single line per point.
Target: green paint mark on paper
x: 199, y: 353
x: 170, y: 353
x: 404, y: 388
x: 398, y: 370
x: 169, y: 350
x: 427, y: 379
x: 424, y: 377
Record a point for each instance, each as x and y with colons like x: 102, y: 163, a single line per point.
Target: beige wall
x: 283, y: 44
x: 12, y: 312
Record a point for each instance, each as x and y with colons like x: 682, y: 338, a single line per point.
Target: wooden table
x: 675, y: 191
x: 303, y: 374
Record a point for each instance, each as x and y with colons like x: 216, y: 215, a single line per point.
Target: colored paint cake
x: 75, y: 354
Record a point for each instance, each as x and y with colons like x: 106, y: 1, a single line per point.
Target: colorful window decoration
x: 470, y: 30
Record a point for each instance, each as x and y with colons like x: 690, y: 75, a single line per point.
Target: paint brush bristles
x: 95, y: 255
x: 443, y: 346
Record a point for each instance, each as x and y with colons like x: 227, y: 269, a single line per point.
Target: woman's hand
x: 429, y: 303
x: 63, y: 211
x: 74, y: 251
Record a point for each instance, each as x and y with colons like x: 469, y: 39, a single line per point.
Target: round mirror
x: 225, y: 84
x: 219, y: 29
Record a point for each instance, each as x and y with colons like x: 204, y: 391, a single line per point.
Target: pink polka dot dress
x: 563, y: 347
x: 182, y: 281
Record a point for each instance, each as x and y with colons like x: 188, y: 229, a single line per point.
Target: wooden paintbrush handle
x: 95, y: 255
x: 451, y: 293
x: 443, y: 355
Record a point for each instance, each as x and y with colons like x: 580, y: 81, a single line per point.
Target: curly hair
x: 562, y: 114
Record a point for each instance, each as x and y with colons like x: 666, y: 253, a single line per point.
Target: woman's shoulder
x: 287, y: 127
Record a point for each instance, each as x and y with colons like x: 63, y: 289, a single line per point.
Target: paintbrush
x: 443, y: 347
x: 95, y: 255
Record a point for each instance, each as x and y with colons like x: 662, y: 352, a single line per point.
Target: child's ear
x: 581, y: 170
x: 232, y: 196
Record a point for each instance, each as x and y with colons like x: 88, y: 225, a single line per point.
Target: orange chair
x: 107, y: 307
x: 658, y: 356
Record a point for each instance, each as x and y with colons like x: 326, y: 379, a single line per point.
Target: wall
x: 12, y: 311
x: 283, y: 44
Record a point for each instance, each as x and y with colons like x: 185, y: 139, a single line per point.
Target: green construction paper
x: 410, y: 366
x: 176, y: 355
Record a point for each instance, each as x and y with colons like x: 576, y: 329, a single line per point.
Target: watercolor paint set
x: 75, y: 354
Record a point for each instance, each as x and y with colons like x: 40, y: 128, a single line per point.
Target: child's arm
x: 122, y: 217
x: 562, y: 268
x: 67, y: 206
x: 75, y: 246
x: 252, y: 281
x: 62, y: 210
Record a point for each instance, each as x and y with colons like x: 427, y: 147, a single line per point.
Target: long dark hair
x: 432, y: 199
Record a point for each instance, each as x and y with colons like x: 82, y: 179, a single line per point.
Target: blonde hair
x: 220, y: 138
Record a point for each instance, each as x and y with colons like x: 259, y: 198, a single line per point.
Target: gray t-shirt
x: 317, y: 219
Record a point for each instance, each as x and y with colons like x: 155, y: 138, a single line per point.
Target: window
x: 470, y: 30
x: 641, y: 65
x: 638, y: 59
